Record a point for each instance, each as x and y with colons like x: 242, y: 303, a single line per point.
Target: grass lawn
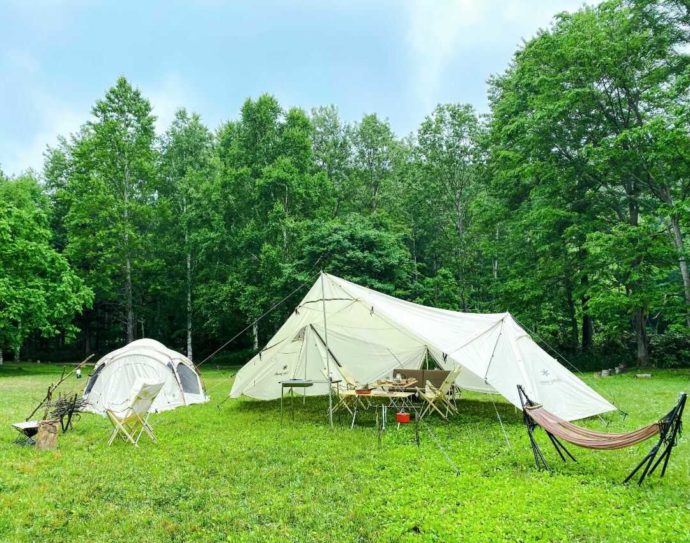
x: 231, y: 472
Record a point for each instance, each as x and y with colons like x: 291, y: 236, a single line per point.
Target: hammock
x: 588, y: 438
x: 668, y: 428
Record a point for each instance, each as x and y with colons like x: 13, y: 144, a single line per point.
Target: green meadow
x: 229, y: 470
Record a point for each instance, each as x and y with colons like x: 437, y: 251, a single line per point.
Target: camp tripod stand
x: 671, y: 427
x: 539, y: 459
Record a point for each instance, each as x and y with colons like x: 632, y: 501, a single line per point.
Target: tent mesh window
x: 189, y: 380
x: 93, y: 378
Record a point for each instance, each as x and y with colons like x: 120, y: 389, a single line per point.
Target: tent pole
x: 328, y: 356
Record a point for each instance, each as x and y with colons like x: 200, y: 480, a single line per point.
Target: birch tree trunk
x: 255, y: 335
x: 495, y: 263
x: 87, y: 337
x: 587, y: 321
x: 640, y: 326
x: 189, y: 299
x: 129, y: 305
x: 639, y: 318
x: 128, y: 300
x: 572, y: 317
x: 1, y: 359
x: 587, y: 331
x: 677, y: 237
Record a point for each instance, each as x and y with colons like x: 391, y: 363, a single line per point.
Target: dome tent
x: 114, y: 375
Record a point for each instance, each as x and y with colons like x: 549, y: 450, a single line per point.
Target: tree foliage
x: 39, y: 292
x: 581, y: 134
x: 566, y: 205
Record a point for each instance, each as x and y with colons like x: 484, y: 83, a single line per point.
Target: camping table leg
x: 354, y: 416
x: 407, y: 403
x: 384, y: 413
x: 399, y: 404
x: 282, y: 390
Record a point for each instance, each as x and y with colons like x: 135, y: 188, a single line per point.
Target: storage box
x: 402, y: 417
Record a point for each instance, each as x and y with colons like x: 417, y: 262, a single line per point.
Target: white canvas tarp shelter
x: 370, y: 334
x: 110, y: 384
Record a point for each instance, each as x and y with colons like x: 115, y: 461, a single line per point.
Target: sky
x: 396, y: 58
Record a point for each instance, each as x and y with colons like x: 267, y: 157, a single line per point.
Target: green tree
x: 186, y: 165
x: 110, y: 198
x: 39, y: 292
x: 374, y: 148
x: 437, y: 192
x: 333, y: 154
x: 580, y: 116
x: 268, y: 190
x: 363, y: 249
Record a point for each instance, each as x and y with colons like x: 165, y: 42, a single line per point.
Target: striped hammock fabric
x: 584, y: 437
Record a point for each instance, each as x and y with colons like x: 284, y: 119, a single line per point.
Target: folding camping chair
x: 351, y: 382
x: 343, y: 397
x: 438, y: 399
x: 133, y: 421
x: 345, y: 393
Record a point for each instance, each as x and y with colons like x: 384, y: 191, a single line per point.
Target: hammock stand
x: 668, y: 428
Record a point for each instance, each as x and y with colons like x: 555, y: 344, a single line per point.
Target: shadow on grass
x: 314, y: 410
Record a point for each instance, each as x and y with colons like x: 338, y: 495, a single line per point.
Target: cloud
x: 33, y: 116
x: 168, y: 95
x: 434, y: 31
x: 57, y: 119
x: 442, y: 31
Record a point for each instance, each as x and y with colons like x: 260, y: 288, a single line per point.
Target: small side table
x: 292, y: 384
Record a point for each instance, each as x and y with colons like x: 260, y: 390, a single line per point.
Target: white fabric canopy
x: 370, y: 334
x: 110, y: 384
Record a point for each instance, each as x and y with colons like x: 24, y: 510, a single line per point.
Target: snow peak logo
x: 284, y: 371
x: 545, y: 377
